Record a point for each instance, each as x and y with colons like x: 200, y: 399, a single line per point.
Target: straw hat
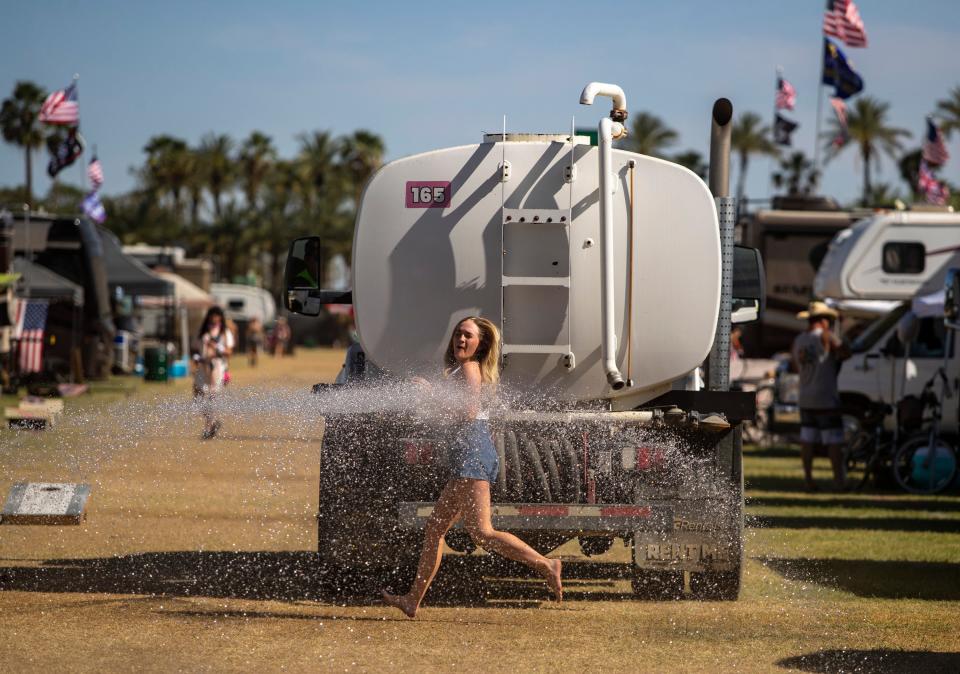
x: 817, y: 309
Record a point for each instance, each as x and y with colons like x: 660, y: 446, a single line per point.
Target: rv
x: 889, y: 260
x: 792, y: 240
x: 243, y: 303
x: 889, y: 256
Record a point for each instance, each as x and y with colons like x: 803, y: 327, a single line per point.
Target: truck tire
x: 716, y: 585
x: 725, y: 585
x: 657, y: 585
x: 360, y: 546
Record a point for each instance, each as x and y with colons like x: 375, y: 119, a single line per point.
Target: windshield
x: 868, y: 338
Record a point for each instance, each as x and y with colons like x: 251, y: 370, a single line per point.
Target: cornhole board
x: 38, y: 413
x: 48, y: 503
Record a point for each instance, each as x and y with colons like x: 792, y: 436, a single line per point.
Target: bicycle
x: 867, y: 452
x: 927, y: 463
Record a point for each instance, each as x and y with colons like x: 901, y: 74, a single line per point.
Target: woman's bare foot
x: 553, y: 579
x: 401, y: 602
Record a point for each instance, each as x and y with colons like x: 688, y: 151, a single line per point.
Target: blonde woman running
x: 471, y: 364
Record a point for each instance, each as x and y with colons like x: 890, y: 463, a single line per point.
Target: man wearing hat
x: 817, y: 355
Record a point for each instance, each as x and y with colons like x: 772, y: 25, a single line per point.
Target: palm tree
x: 169, y: 167
x: 797, y: 175
x: 694, y: 161
x: 361, y: 155
x: 649, y: 135
x: 284, y: 199
x: 216, y: 166
x: 909, y: 166
x: 20, y: 125
x: 317, y: 165
x: 750, y: 136
x: 868, y: 130
x: 948, y: 110
x: 256, y: 155
x: 883, y: 195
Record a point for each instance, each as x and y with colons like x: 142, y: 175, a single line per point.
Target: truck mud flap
x: 558, y: 517
x: 703, y: 536
x: 684, y: 551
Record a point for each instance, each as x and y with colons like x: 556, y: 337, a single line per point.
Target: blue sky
x: 427, y: 75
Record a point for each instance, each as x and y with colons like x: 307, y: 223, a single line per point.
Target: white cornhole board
x: 36, y: 413
x: 46, y: 503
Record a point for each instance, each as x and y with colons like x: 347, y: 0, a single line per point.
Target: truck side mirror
x: 749, y: 285
x: 951, y: 299
x: 303, y: 274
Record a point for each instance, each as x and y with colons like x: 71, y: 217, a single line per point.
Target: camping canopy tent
x: 128, y: 274
x: 187, y: 294
x: 129, y: 278
x: 191, y: 303
x: 64, y: 319
x: 71, y: 247
x: 38, y: 282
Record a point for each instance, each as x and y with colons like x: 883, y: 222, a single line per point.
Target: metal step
x: 561, y: 281
x: 562, y: 349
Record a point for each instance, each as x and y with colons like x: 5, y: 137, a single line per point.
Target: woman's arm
x: 473, y: 385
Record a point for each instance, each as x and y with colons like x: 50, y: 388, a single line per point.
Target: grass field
x: 197, y: 556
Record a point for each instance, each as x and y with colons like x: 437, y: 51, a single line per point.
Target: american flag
x: 840, y: 108
x: 934, y: 191
x: 843, y: 135
x: 28, y: 331
x: 95, y: 173
x: 934, y: 149
x: 842, y: 21
x: 61, y: 107
x: 786, y: 95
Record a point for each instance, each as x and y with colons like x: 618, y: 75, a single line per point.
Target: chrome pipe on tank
x: 610, y: 129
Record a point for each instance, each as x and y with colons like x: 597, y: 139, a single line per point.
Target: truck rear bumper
x: 664, y: 538
x: 573, y: 519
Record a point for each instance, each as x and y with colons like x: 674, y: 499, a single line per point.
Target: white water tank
x: 511, y: 231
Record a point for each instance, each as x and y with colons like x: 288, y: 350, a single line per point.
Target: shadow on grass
x: 847, y: 523
x: 857, y: 502
x: 794, y: 483
x: 881, y: 661
x: 779, y: 483
x: 938, y: 581
x: 774, y: 452
x: 290, y: 576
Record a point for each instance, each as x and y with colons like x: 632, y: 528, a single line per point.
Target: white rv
x: 889, y: 256
x: 244, y: 303
x: 893, y: 257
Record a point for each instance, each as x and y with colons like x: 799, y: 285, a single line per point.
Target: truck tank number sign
x: 428, y: 194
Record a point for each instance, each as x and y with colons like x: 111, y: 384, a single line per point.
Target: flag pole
x: 778, y: 75
x: 83, y: 173
x: 816, y: 133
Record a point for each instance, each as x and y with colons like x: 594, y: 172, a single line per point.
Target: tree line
x: 869, y: 134
x: 240, y: 202
x: 237, y: 202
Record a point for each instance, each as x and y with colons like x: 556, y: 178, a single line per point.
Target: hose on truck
x: 538, y: 469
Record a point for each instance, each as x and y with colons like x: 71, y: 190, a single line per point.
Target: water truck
x: 613, y: 277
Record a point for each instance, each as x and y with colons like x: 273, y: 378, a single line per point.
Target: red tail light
x: 417, y: 451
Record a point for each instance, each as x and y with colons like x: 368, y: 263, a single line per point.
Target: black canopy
x: 128, y: 273
x: 38, y: 282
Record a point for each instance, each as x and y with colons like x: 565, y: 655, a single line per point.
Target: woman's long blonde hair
x: 487, y: 354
